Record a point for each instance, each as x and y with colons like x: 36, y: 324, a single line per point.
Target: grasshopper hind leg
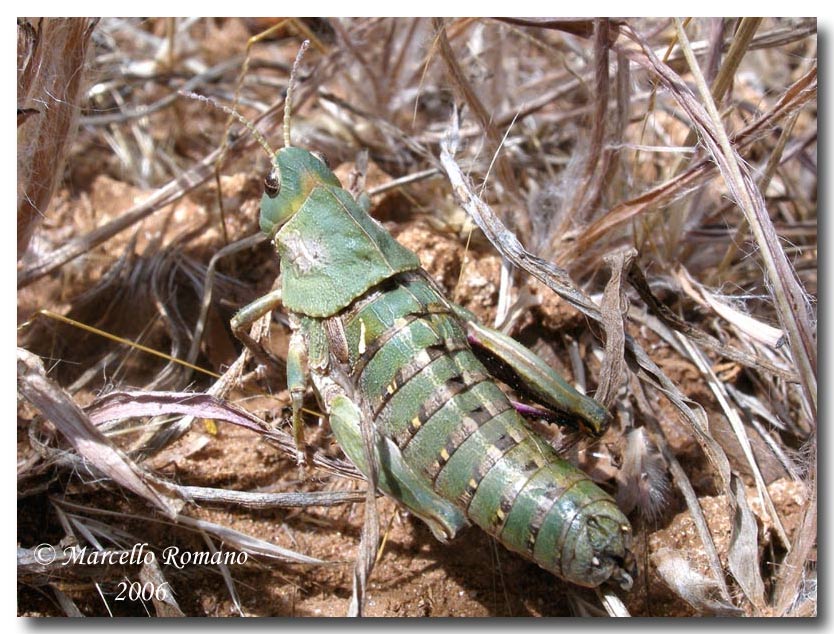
x: 394, y: 476
x: 505, y: 356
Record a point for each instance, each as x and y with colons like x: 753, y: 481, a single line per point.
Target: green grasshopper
x: 383, y: 346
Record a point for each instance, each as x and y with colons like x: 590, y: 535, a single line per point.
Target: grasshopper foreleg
x: 297, y: 366
x: 247, y: 316
x: 296, y: 357
x: 297, y: 375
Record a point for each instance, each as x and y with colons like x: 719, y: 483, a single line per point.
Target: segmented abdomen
x: 428, y: 392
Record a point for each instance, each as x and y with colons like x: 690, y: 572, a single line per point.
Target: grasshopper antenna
x: 249, y: 126
x: 290, y: 88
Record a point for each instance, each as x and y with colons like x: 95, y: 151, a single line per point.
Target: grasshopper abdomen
x: 428, y: 393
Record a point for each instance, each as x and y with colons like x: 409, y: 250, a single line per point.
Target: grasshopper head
x: 294, y: 174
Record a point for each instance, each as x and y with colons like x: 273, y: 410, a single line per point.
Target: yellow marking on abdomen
x: 362, y: 346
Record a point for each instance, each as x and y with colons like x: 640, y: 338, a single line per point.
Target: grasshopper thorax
x: 331, y: 250
x: 295, y: 173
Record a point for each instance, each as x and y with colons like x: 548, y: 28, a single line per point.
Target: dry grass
x: 649, y: 184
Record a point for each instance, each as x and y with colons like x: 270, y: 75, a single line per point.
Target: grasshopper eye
x: 272, y: 182
x: 321, y: 157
